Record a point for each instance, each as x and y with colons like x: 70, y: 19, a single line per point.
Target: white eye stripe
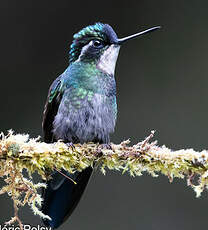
x: 84, y: 49
x: 91, y: 43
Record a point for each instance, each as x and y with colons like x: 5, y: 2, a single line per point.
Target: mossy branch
x: 18, y: 152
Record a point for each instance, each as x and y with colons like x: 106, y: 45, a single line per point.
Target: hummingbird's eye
x: 97, y: 44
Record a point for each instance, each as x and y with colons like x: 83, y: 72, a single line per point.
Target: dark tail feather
x: 62, y: 196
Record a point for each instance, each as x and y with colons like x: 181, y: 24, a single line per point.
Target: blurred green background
x: 162, y: 82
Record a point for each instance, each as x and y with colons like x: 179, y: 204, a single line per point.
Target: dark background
x: 162, y: 81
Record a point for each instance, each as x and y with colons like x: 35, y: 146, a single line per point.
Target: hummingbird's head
x: 98, y: 43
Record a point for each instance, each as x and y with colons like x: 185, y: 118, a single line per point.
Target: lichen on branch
x: 18, y: 152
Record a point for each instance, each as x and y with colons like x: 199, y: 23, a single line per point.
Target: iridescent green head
x: 98, y: 43
x: 91, y: 41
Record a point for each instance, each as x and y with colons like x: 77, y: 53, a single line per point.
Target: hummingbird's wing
x: 51, y: 108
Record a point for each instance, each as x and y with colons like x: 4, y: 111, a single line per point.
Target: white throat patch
x: 107, y: 62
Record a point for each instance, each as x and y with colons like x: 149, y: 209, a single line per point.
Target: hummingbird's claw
x: 70, y: 145
x: 106, y: 146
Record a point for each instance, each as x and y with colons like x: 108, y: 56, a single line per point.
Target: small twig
x: 147, y: 139
x: 69, y: 178
x: 16, y: 215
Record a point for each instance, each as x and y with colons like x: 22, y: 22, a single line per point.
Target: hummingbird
x: 81, y: 107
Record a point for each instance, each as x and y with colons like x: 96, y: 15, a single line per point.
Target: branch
x: 18, y: 152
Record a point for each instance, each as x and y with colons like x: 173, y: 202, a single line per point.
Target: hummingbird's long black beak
x: 121, y: 40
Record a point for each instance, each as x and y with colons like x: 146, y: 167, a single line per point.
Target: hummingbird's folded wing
x: 51, y: 108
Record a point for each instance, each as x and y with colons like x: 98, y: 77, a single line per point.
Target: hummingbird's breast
x: 87, y: 113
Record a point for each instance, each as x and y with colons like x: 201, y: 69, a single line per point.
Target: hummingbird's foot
x: 106, y: 146
x: 70, y: 145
